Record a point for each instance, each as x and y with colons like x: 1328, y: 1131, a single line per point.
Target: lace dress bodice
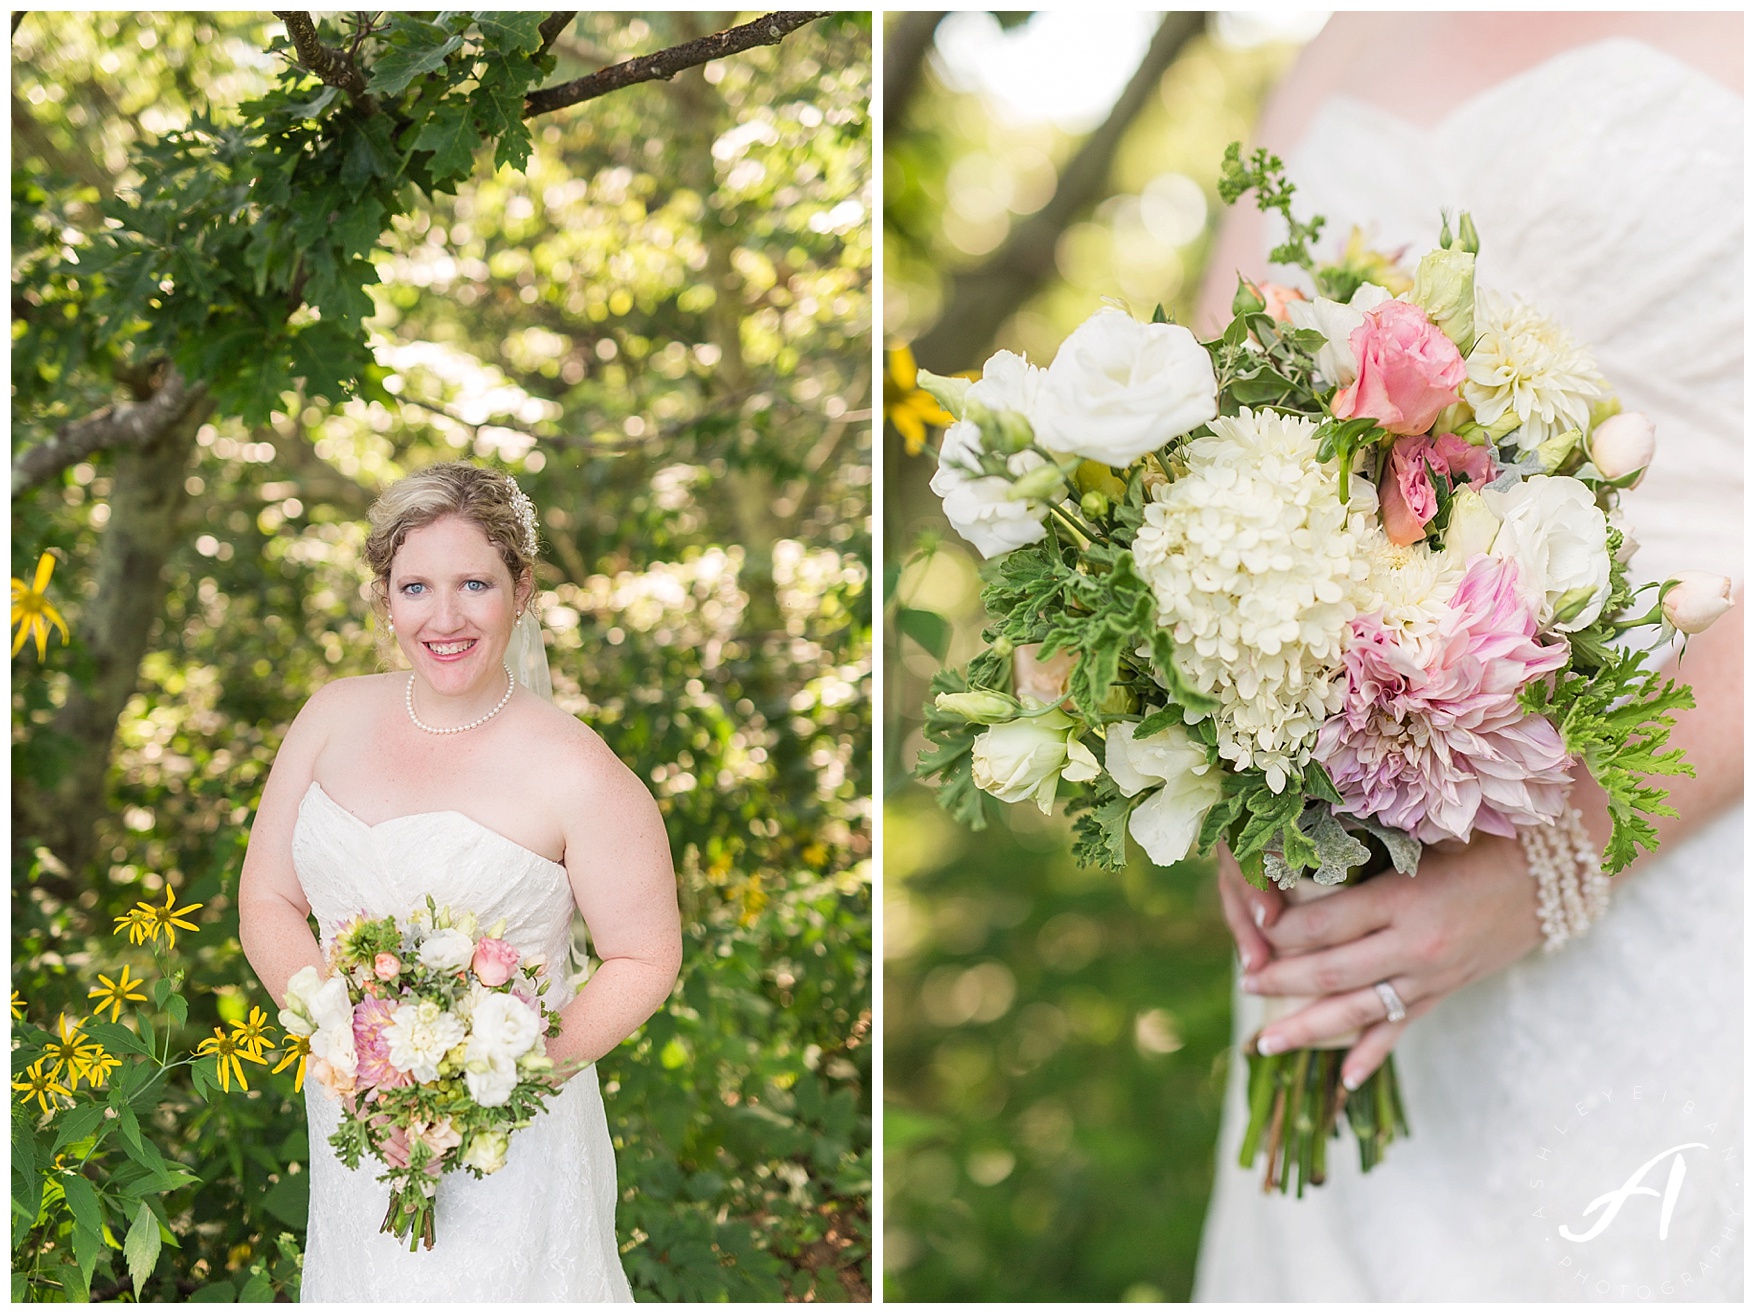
x: 1607, y: 188
x: 543, y: 1227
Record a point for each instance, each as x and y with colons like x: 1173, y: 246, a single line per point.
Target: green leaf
x: 927, y: 628
x: 510, y: 31
x: 78, y: 1124
x: 141, y: 1248
x: 178, y: 1007
x: 259, y: 1288
x: 82, y: 1201
x: 1100, y: 815
x: 417, y: 48
x: 161, y: 991
x: 451, y: 135
x: 289, y: 1199
x: 215, y: 1292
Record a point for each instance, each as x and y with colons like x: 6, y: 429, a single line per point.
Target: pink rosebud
x: 1408, y: 499
x: 386, y: 966
x: 1622, y: 444
x: 1044, y: 681
x: 1408, y: 371
x: 1697, y: 600
x: 494, y: 962
x: 1278, y: 298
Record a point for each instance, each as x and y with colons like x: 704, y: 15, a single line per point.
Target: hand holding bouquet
x: 432, y: 1037
x: 1342, y: 582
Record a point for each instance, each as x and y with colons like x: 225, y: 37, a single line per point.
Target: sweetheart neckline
x: 434, y: 812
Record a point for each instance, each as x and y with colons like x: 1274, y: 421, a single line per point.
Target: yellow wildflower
x: 137, y: 922
x: 99, y: 1065
x: 167, y: 918
x: 32, y: 611
x: 253, y: 1034
x: 228, y: 1051
x: 297, y: 1048
x: 908, y: 406
x: 40, y: 1086
x: 112, y: 994
x: 73, y: 1051
x: 17, y: 1007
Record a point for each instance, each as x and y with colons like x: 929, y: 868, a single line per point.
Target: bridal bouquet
x: 1342, y: 582
x: 427, y: 1029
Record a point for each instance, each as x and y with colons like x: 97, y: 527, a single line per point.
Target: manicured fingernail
x: 1349, y: 1081
x: 1269, y: 1045
x: 1259, y: 912
x: 1250, y: 983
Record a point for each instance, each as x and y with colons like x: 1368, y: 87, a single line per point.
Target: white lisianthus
x: 981, y: 506
x: 1257, y: 567
x: 331, y: 1013
x: 486, y: 1151
x: 1472, y: 526
x: 418, y: 1034
x: 490, y: 1077
x: 1168, y: 823
x: 300, y: 1014
x: 1027, y: 759
x: 1695, y: 600
x: 1336, y: 361
x: 1527, y: 367
x: 447, y: 951
x: 503, y: 1024
x: 1622, y: 445
x: 1553, y: 531
x: 1118, y: 389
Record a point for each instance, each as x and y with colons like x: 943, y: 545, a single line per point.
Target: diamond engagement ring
x: 1392, y: 1002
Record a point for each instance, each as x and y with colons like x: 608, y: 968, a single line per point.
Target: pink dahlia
x: 370, y: 1017
x: 1441, y: 748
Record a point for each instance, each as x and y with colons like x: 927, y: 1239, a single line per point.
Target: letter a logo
x: 1615, y: 1199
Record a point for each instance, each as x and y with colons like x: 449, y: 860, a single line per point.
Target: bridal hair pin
x: 526, y: 513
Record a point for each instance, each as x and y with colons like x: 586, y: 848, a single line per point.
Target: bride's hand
x: 1470, y: 912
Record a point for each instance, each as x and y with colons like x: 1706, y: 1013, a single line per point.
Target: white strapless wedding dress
x: 1607, y: 186
x: 543, y: 1227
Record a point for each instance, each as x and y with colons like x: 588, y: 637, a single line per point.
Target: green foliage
x: 1265, y: 175
x: 1617, y: 720
x: 662, y: 327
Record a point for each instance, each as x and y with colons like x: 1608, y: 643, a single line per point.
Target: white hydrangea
x: 1525, y: 363
x: 1257, y: 567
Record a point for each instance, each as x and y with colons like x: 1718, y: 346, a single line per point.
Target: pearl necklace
x: 408, y: 701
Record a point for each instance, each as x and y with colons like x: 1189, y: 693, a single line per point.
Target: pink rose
x: 1278, y: 299
x: 386, y: 966
x: 370, y: 1017
x: 1409, y: 501
x: 494, y: 962
x: 440, y: 1136
x: 1408, y: 370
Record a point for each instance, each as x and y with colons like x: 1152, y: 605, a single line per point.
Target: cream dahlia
x: 1257, y: 567
x: 1527, y: 364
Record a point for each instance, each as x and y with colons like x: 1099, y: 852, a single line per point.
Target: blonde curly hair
x: 487, y: 499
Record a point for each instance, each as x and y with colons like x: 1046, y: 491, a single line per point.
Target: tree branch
x: 132, y: 425
x: 551, y: 27
x: 983, y: 298
x: 18, y: 18
x: 906, y: 43
x: 666, y: 64
x: 331, y: 66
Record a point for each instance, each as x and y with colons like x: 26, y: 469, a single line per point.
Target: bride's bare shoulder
x: 341, y: 702
x: 576, y: 762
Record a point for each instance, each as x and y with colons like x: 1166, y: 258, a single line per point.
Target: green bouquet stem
x: 410, y: 1218
x: 1295, y: 1102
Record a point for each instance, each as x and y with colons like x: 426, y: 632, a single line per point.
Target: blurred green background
x: 1055, y: 1040
x: 662, y: 327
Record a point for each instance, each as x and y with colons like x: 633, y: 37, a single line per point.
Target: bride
x: 455, y: 780
x: 1551, y: 1096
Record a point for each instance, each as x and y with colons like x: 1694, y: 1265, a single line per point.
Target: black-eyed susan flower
x: 70, y: 1052
x: 297, y: 1049
x: 99, y: 1065
x: 41, y: 1086
x: 137, y: 922
x: 907, y: 406
x: 229, y: 1053
x: 32, y: 611
x: 168, y: 918
x: 253, y: 1033
x: 113, y: 994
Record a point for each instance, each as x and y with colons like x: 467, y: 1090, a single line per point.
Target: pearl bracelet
x: 1572, y: 890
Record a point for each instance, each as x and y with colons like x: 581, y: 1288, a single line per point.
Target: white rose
x: 1168, y: 823
x: 1118, y: 389
x: 490, y: 1078
x: 447, y: 951
x: 1622, y: 444
x: 1559, y: 540
x: 503, y: 1024
x: 487, y: 1151
x: 1027, y: 758
x: 332, y: 1017
x: 1697, y: 600
x: 418, y: 1034
x: 1336, y: 322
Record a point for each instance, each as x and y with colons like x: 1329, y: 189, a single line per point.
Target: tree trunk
x: 144, y: 527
